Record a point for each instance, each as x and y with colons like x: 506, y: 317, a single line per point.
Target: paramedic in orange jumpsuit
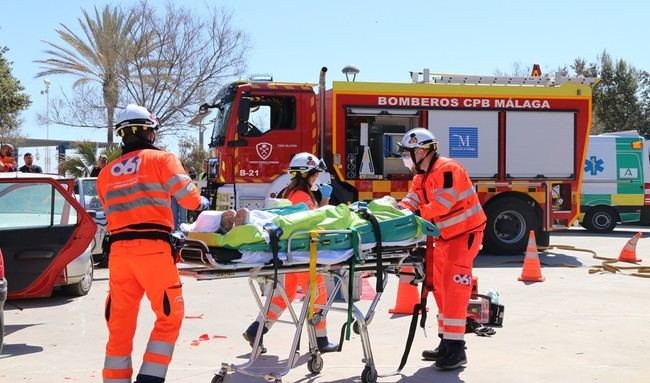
x: 443, y: 194
x: 304, y: 169
x: 135, y: 191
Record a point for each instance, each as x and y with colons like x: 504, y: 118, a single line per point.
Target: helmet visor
x: 134, y: 128
x: 321, y: 167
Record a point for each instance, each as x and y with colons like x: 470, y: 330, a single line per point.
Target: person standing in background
x: 29, y: 166
x: 7, y: 160
x: 101, y: 162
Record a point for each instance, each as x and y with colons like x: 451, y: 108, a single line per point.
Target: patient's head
x: 231, y: 218
x: 228, y: 220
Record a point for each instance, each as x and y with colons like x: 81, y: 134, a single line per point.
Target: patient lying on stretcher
x: 222, y: 222
x: 245, y: 228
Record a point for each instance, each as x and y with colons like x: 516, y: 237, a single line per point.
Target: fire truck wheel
x: 600, y: 219
x: 543, y: 238
x: 508, y: 224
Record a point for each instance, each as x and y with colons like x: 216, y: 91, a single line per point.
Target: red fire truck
x: 523, y: 140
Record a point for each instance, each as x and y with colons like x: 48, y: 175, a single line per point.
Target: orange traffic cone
x: 407, y: 294
x: 474, y: 285
x: 532, y: 270
x: 628, y: 254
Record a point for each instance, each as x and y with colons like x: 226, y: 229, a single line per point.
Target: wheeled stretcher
x: 379, y: 247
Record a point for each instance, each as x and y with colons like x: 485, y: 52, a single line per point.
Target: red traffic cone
x: 628, y: 254
x: 532, y: 270
x: 407, y: 294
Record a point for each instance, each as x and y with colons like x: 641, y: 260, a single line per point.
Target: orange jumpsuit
x: 292, y: 280
x: 445, y: 195
x: 135, y: 191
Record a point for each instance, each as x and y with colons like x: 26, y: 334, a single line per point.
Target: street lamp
x: 46, y: 92
x: 350, y: 70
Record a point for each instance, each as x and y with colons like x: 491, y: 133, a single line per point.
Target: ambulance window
x: 270, y: 114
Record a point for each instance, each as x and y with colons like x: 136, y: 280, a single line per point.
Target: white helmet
x: 418, y: 138
x: 136, y: 117
x: 303, y: 163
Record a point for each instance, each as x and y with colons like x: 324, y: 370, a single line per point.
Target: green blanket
x: 396, y: 225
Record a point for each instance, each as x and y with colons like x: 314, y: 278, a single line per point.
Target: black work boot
x: 250, y: 333
x: 324, y: 345
x: 437, y: 353
x: 454, y: 356
x: 142, y: 378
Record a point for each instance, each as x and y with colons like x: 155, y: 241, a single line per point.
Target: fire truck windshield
x: 221, y: 124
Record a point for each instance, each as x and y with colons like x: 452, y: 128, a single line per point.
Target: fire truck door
x: 270, y: 137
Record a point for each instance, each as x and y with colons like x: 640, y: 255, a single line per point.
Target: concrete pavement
x: 574, y: 327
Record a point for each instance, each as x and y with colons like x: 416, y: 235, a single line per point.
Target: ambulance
x: 616, y: 185
x: 522, y: 139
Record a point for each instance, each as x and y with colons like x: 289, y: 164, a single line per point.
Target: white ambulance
x: 615, y: 182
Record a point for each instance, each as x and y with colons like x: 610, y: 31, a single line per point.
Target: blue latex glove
x: 205, y: 203
x: 325, y: 190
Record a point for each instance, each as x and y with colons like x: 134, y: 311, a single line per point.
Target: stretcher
x: 339, y: 253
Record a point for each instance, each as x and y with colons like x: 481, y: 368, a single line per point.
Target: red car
x: 43, y: 233
x: 3, y: 298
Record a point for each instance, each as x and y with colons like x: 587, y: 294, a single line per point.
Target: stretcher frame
x: 393, y: 258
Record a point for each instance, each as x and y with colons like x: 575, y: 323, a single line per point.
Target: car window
x: 91, y: 199
x: 34, y: 205
x: 90, y: 188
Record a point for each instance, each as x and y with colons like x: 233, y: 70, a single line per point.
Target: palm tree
x: 96, y: 56
x: 80, y: 165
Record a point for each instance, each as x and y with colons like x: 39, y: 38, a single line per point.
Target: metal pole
x: 322, y: 96
x: 47, y: 129
x: 47, y: 124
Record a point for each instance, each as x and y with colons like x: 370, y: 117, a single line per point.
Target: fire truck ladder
x: 425, y: 77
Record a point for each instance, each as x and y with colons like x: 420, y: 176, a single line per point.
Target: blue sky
x: 384, y: 39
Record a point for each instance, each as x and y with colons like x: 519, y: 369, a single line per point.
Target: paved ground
x: 574, y: 327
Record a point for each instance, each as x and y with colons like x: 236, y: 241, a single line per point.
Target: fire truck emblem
x: 264, y: 150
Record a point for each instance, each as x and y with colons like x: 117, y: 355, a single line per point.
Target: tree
x: 12, y: 99
x: 94, y: 57
x: 620, y: 100
x: 192, y: 59
x: 191, y: 154
x: 174, y: 61
x: 81, y: 164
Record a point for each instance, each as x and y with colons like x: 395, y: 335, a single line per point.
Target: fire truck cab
x: 522, y: 139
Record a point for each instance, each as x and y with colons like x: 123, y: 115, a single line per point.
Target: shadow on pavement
x: 556, y: 259
x: 552, y: 258
x: 425, y: 374
x: 17, y: 349
x: 58, y: 298
x: 10, y: 350
x: 12, y: 328
x: 266, y: 364
x: 430, y: 374
x: 625, y: 233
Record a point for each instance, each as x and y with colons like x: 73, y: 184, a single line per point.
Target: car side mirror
x: 213, y: 168
x: 243, y: 115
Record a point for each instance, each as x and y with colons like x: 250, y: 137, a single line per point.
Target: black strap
x: 275, y: 232
x: 424, y: 293
x: 368, y: 216
x: 144, y: 227
x: 129, y: 235
x: 417, y: 309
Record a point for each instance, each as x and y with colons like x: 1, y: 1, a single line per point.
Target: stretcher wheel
x: 369, y: 375
x: 315, y: 364
x: 218, y: 379
x: 355, y: 328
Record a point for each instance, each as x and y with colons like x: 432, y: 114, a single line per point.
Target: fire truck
x: 522, y: 139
